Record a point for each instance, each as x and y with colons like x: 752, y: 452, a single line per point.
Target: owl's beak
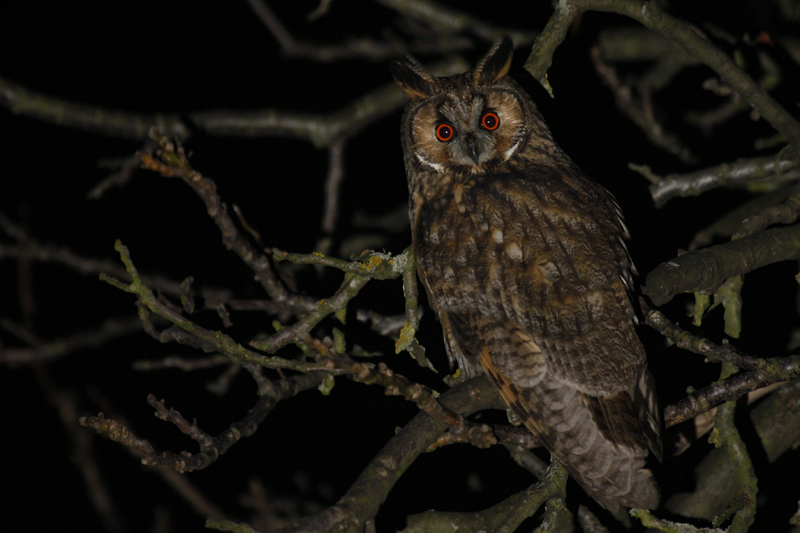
x: 472, y: 149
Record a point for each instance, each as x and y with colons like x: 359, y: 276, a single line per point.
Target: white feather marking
x: 435, y: 166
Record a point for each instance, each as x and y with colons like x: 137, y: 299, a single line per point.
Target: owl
x: 523, y: 258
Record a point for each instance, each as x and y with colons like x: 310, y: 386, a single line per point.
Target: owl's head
x: 467, y: 124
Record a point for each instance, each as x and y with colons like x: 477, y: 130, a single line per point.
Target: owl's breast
x: 519, y: 250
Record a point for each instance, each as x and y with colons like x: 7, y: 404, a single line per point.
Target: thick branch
x: 776, y: 420
x: 706, y: 269
x: 504, y: 517
x: 369, y: 491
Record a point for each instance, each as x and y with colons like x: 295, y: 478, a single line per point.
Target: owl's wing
x: 603, y: 358
x: 598, y: 439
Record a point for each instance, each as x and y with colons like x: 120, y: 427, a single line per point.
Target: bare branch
x: 186, y: 331
x: 784, y: 213
x: 172, y: 162
x: 210, y: 447
x: 725, y: 353
x: 83, y: 453
x: 363, y: 499
x: 726, y: 436
x: 729, y: 223
x: 323, y: 130
x: 333, y: 184
x: 635, y: 44
x: 778, y: 369
x: 361, y: 47
x: 705, y: 270
x: 56, y: 349
x: 32, y: 249
x: 395, y: 384
x: 375, y: 265
x: 22, y: 101
x: 770, y: 169
x: 504, y: 517
x: 763, y: 372
x: 651, y: 15
x: 640, y: 110
x: 776, y: 421
x: 452, y: 21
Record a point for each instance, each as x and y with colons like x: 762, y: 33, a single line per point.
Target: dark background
x: 179, y: 57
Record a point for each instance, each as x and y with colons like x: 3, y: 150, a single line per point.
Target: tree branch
x: 776, y: 421
x: 45, y: 352
x: 211, y: 448
x: 762, y: 372
x: 773, y: 168
x: 506, y: 516
x: 363, y: 499
x: 112, y: 123
x: 732, y: 388
x: 189, y: 332
x: 652, y: 16
x: 705, y: 270
x: 172, y: 162
x: 726, y: 436
x: 452, y: 21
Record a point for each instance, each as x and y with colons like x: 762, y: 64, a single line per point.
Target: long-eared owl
x: 524, y: 260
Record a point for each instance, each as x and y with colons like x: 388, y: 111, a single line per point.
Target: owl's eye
x: 444, y: 132
x: 490, y: 121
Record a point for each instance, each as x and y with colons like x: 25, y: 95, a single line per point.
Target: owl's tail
x: 599, y: 440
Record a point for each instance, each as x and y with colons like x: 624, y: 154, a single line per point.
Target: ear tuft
x: 496, y: 63
x: 412, y: 78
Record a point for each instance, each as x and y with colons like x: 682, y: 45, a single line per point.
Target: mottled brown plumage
x: 524, y: 260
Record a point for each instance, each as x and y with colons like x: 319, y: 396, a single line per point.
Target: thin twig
x: 718, y: 353
x: 187, y: 332
x: 211, y: 448
x: 43, y: 352
x: 333, y: 183
x: 446, y: 20
x: 640, y: 110
x: 171, y: 161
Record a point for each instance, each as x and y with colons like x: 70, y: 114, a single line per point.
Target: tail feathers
x: 605, y: 453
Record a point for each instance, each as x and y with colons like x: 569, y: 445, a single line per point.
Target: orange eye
x: 444, y: 132
x: 490, y: 121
